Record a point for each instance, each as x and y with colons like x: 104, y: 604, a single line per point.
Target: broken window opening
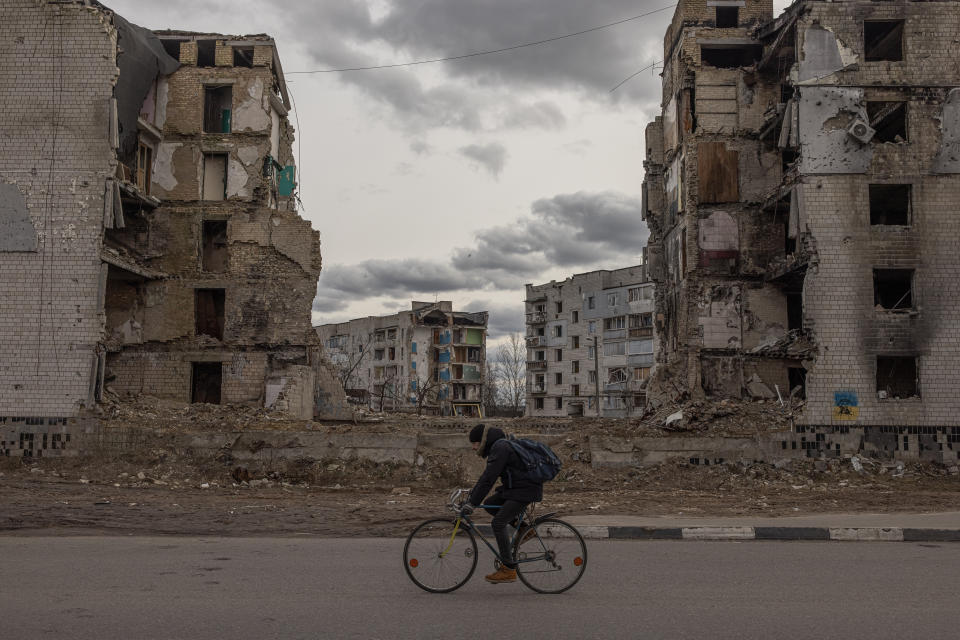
x: 889, y: 120
x: 576, y: 342
x: 217, y: 108
x: 214, y: 258
x: 206, y: 53
x: 797, y: 378
x: 794, y: 311
x: 730, y: 56
x: 897, y: 377
x: 206, y: 382
x: 144, y: 168
x: 243, y: 56
x: 538, y: 403
x: 209, y: 312
x: 559, y: 403
x: 172, y: 47
x: 214, y: 176
x: 788, y: 157
x: 890, y: 204
x: 575, y: 390
x: 893, y: 288
x: 728, y: 17
x: 558, y: 378
x: 883, y: 40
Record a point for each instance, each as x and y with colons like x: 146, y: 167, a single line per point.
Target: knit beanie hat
x: 476, y: 434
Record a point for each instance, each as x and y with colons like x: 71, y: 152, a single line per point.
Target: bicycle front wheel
x: 440, y: 556
x: 550, y: 557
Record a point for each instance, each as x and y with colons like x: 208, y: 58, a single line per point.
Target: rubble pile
x: 719, y: 417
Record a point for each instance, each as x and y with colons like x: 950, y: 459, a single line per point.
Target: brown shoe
x: 502, y: 575
x: 527, y: 535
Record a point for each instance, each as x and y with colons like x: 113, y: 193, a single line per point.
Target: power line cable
x: 485, y: 53
x: 634, y: 75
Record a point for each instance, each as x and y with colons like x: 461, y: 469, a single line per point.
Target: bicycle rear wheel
x: 439, y: 556
x: 551, y: 557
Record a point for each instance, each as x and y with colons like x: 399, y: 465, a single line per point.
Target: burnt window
x: 797, y: 377
x: 172, y: 47
x: 206, y: 53
x: 889, y: 120
x: 214, y: 176
x: 890, y: 204
x: 728, y: 17
x: 883, y: 40
x: 794, y: 311
x: 559, y: 403
x: 893, y: 288
x: 243, y: 56
x: 897, y: 377
x: 207, y: 380
x: 217, y: 109
x: 208, y: 310
x: 730, y: 56
x: 214, y: 257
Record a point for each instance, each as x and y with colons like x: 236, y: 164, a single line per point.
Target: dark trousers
x: 503, y: 516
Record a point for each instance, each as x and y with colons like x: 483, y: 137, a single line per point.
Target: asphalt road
x: 149, y: 588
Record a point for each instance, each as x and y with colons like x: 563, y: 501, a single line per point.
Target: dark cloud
x: 484, y: 93
x: 490, y: 92
x: 491, y: 157
x: 592, y: 62
x: 505, y: 317
x: 579, y: 231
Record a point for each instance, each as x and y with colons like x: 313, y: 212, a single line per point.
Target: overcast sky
x: 457, y: 180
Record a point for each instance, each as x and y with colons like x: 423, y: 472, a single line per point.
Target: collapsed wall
x: 799, y: 186
x: 150, y: 238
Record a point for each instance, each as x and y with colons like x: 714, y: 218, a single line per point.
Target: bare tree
x: 512, y: 372
x: 425, y: 390
x: 351, y: 360
x: 491, y: 389
x: 387, y: 389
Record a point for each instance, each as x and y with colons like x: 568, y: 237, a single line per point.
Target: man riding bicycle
x: 512, y: 495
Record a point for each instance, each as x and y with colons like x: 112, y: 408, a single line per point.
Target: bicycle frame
x: 468, y: 522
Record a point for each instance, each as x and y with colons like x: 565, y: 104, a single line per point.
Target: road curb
x: 838, y: 534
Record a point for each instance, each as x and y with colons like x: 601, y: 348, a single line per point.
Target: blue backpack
x: 539, y: 464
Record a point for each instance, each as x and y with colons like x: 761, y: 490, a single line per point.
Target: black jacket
x: 504, y: 463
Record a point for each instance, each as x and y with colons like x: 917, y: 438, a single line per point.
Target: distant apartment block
x: 590, y: 344
x: 430, y: 358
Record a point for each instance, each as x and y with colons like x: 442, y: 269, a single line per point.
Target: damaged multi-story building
x: 801, y: 185
x: 149, y: 235
x: 590, y: 344
x: 430, y: 359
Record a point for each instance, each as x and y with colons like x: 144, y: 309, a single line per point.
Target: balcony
x: 537, y: 317
x: 536, y: 388
x: 536, y: 341
x: 641, y: 332
x: 536, y: 365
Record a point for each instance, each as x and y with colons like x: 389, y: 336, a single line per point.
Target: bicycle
x: 440, y: 554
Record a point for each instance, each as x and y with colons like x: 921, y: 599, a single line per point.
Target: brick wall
x: 56, y: 83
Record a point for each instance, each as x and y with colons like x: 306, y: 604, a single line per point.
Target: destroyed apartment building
x: 149, y: 236
x: 801, y: 191
x: 430, y: 359
x: 590, y: 344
